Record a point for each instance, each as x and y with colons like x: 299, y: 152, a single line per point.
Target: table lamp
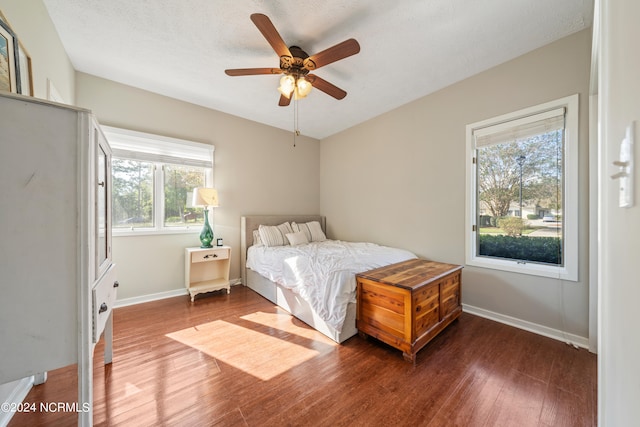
x: 205, y: 197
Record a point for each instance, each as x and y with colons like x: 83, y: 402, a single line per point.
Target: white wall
x: 257, y: 171
x: 619, y: 95
x: 399, y: 180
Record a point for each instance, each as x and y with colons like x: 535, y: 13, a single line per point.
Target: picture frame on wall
x: 26, y: 75
x: 9, y: 67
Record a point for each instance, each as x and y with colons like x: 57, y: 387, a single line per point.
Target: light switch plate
x: 626, y: 168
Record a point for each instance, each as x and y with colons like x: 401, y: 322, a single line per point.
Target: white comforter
x: 323, y: 273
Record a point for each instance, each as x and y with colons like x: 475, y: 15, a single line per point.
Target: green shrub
x: 536, y: 249
x: 512, y: 225
x: 532, y: 216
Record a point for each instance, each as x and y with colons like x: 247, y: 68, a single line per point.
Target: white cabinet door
x: 103, y: 202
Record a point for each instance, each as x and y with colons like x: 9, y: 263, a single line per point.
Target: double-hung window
x: 522, y: 191
x: 153, y: 178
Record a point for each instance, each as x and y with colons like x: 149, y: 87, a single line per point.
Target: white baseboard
x: 150, y: 297
x: 528, y: 326
x: 16, y: 396
x: 158, y: 296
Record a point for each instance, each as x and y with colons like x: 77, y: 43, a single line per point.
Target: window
x: 522, y: 191
x: 179, y: 182
x: 153, y: 179
x: 132, y: 193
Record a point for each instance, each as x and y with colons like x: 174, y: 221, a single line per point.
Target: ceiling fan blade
x: 333, y: 54
x: 326, y: 87
x: 284, y: 101
x: 270, y: 33
x: 252, y: 71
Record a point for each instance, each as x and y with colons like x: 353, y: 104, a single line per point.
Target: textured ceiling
x: 409, y: 48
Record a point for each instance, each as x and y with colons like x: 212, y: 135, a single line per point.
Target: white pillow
x: 285, y: 228
x: 256, y: 238
x: 303, y: 228
x: 270, y: 235
x: 317, y: 235
x: 297, y: 238
x: 312, y: 230
x: 274, y: 235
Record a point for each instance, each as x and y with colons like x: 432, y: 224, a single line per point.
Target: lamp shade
x: 303, y: 87
x: 203, y: 196
x: 287, y: 84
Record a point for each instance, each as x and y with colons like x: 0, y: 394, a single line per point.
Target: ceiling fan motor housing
x: 298, y: 63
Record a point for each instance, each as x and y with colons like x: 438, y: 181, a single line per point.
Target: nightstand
x: 206, y: 269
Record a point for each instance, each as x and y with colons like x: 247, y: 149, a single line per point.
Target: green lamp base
x: 206, y: 235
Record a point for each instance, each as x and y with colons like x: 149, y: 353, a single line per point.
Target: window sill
x: 530, y: 268
x: 154, y: 232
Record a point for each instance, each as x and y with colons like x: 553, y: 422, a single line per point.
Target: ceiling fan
x: 296, y: 64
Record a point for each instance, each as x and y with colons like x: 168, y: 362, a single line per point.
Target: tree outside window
x: 179, y: 182
x: 132, y: 195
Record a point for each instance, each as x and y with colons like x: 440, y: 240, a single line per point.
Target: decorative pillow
x: 271, y: 235
x: 303, y: 228
x: 274, y: 235
x: 285, y: 228
x: 312, y: 230
x: 256, y: 238
x: 297, y: 238
x: 317, y: 235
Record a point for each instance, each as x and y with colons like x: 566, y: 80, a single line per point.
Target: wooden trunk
x: 407, y: 304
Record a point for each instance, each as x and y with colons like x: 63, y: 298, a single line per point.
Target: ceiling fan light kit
x: 287, y: 84
x: 296, y: 64
x: 298, y: 86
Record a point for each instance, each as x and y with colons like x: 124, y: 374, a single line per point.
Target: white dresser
x: 57, y: 281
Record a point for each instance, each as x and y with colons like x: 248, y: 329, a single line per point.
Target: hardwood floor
x: 236, y: 360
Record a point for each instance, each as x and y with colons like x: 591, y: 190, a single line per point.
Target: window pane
x: 132, y: 193
x: 179, y: 182
x: 103, y: 244
x: 519, y: 196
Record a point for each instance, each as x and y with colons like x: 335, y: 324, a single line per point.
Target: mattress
x: 323, y: 273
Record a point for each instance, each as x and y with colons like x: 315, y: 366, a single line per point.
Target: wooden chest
x: 407, y: 304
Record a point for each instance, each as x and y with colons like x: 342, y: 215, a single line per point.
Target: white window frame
x: 160, y: 150
x: 569, y: 271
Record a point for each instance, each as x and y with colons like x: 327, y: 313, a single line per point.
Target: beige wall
x: 30, y: 21
x: 399, y: 179
x: 257, y: 170
x: 619, y: 95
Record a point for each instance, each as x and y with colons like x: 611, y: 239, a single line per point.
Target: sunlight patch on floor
x: 284, y: 321
x: 131, y: 389
x: 259, y: 354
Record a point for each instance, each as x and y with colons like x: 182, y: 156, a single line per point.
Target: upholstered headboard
x: 249, y: 223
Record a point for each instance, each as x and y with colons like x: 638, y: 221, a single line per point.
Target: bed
x: 337, y: 323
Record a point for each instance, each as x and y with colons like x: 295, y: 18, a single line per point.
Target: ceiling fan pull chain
x: 296, y: 130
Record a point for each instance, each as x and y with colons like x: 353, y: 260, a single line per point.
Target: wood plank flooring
x: 237, y: 360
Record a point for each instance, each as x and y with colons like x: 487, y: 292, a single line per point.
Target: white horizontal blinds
x: 155, y: 148
x: 522, y: 128
x: 151, y: 157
